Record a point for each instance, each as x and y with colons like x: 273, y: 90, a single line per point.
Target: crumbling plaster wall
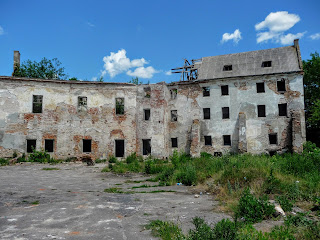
x: 60, y: 119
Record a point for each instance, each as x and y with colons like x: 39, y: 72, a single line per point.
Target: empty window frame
x: 225, y: 113
x: 146, y: 146
x: 173, y: 93
x: 174, y: 142
x: 273, y: 138
x: 227, y: 68
x: 31, y: 145
x: 119, y: 148
x: 119, y: 106
x: 206, y: 91
x: 82, y: 103
x: 266, y: 64
x: 260, y: 87
x: 281, y: 85
x: 206, y: 113
x: 207, y: 140
x: 48, y: 145
x: 147, y: 92
x: 282, y: 109
x: 261, y: 110
x: 227, y: 140
x: 224, y: 90
x: 146, y: 114
x: 174, y: 115
x: 86, y: 145
x: 37, y: 103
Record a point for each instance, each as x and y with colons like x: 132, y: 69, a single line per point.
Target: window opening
x: 147, y: 114
x: 206, y: 113
x: 227, y: 140
x: 86, y: 145
x: 225, y: 113
x: 174, y: 115
x: 224, y: 90
x: 174, y: 142
x: 82, y: 103
x: 282, y: 109
x: 206, y: 91
x: 48, y: 145
x: 273, y: 139
x: 119, y: 106
x: 260, y: 87
x: 261, y: 110
x: 37, y: 104
x: 281, y: 85
x: 119, y: 148
x: 207, y: 141
x: 266, y: 64
x: 174, y: 93
x: 227, y: 68
x: 146, y: 144
x: 31, y: 145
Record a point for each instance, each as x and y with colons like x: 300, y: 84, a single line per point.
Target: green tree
x: 311, y: 78
x: 73, y: 79
x: 135, y: 81
x: 45, y: 69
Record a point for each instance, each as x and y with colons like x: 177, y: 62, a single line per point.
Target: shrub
x: 252, y: 209
x: 201, y: 231
x: 301, y: 219
x: 165, y: 230
x: 100, y: 160
x: 39, y: 156
x: 187, y: 175
x: 3, y: 162
x: 112, y: 159
x: 285, y: 203
x: 225, y: 230
x: 272, y: 184
x: 132, y: 158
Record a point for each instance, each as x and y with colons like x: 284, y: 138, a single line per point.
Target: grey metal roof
x: 284, y: 59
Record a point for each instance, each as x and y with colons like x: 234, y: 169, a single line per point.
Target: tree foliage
x: 135, y: 81
x: 45, y: 69
x: 311, y: 69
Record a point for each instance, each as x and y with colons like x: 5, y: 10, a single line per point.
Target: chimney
x: 297, y: 47
x: 16, y: 61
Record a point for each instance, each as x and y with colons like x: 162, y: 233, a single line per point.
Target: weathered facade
x: 246, y: 102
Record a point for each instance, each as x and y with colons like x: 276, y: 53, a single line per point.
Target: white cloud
x: 142, y: 72
x: 276, y: 23
x: 236, y: 36
x: 168, y: 73
x: 1, y: 31
x: 90, y: 24
x: 315, y: 36
x: 117, y: 63
x: 94, y: 79
x: 288, y: 39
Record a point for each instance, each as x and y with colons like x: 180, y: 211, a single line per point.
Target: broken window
x: 146, y: 145
x: 217, y: 154
x: 225, y: 90
x: 37, y: 104
x: 147, y: 92
x: 227, y: 68
x: 86, y: 145
x: 174, y: 115
x: 31, y: 145
x: 225, y: 112
x: 266, y: 64
x: 206, y: 113
x: 281, y: 85
x: 174, y: 142
x: 119, y: 148
x: 48, y: 145
x: 260, y: 87
x: 273, y: 139
x: 206, y: 91
x: 174, y: 93
x: 119, y: 106
x: 207, y: 141
x: 146, y: 114
x: 82, y: 103
x: 261, y: 110
x: 282, y: 109
x: 227, y: 140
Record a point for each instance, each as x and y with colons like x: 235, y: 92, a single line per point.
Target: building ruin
x: 245, y: 102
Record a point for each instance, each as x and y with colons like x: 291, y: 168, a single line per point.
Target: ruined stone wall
x: 62, y: 121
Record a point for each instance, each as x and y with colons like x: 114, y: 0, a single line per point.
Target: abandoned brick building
x: 245, y: 102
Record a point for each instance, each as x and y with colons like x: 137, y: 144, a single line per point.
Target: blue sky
x: 123, y: 39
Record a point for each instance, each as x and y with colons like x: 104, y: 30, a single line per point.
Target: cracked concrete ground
x: 70, y: 203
